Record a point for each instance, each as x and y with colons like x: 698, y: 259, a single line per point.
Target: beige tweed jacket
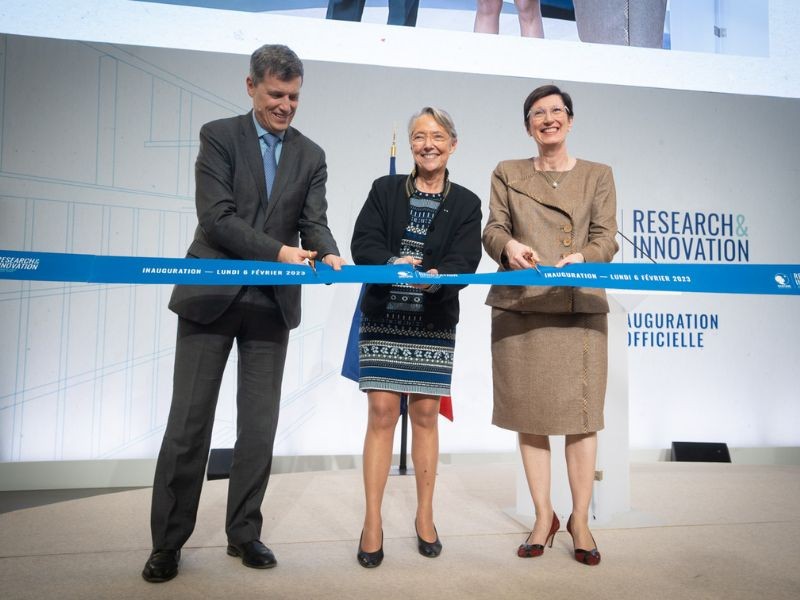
x: 578, y: 216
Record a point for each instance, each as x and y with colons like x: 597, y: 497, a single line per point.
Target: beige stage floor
x: 712, y: 531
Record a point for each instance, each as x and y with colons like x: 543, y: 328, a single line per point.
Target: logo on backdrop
x: 9, y: 264
x: 683, y: 237
x: 678, y: 236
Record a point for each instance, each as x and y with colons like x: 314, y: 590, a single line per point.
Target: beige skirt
x: 549, y: 371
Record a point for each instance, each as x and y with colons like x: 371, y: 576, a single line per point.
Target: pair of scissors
x: 533, y: 264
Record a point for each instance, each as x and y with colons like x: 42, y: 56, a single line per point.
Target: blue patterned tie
x: 270, y: 164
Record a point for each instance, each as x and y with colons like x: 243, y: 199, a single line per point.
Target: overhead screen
x: 732, y: 46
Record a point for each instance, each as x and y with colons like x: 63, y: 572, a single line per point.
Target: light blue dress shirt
x: 260, y: 131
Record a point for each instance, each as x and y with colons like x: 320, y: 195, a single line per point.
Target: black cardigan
x: 452, y: 245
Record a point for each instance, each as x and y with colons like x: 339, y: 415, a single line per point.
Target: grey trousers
x: 621, y: 22
x: 201, y: 353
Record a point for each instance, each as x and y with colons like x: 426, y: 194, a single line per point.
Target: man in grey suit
x: 260, y: 196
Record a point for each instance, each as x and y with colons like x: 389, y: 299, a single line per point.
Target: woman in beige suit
x: 549, y: 344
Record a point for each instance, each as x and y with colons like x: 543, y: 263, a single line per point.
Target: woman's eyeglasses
x: 540, y: 114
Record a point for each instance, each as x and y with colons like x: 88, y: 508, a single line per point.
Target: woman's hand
x: 520, y: 256
x: 408, y: 260
x: 577, y: 257
x: 334, y: 262
x: 425, y: 286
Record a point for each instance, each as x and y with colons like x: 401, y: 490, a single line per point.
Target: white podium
x: 612, y: 489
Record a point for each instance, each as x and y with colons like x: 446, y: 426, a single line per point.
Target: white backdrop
x: 96, y: 155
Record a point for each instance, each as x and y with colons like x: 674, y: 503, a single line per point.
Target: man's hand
x: 295, y: 256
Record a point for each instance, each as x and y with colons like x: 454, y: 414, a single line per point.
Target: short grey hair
x: 442, y: 117
x: 277, y: 60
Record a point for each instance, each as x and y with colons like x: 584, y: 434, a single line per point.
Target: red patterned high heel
x: 587, y: 557
x: 534, y: 550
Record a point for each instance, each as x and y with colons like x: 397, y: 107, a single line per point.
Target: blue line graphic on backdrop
x: 712, y: 278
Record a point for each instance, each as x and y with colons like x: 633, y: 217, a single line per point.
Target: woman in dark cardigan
x: 407, y: 332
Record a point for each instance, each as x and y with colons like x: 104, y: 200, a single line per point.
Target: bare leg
x: 384, y: 409
x: 424, y: 414
x: 530, y: 18
x: 487, y: 16
x: 535, y: 451
x: 581, y: 452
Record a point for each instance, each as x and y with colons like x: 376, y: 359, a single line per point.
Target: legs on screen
x: 401, y: 12
x: 487, y: 17
x: 621, y: 22
x: 345, y: 10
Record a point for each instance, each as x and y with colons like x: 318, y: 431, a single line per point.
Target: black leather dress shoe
x: 254, y: 554
x: 161, y: 566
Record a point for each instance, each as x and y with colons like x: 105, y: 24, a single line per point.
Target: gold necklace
x: 553, y: 182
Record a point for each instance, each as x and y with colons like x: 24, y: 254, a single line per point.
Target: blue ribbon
x: 88, y: 268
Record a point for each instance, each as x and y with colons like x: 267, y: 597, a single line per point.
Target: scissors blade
x: 534, y: 264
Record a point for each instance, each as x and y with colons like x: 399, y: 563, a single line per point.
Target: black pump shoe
x: 369, y: 560
x: 428, y: 549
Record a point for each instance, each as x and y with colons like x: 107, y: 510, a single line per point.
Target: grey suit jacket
x: 229, y: 175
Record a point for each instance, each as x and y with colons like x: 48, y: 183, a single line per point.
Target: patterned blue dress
x: 398, y: 352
